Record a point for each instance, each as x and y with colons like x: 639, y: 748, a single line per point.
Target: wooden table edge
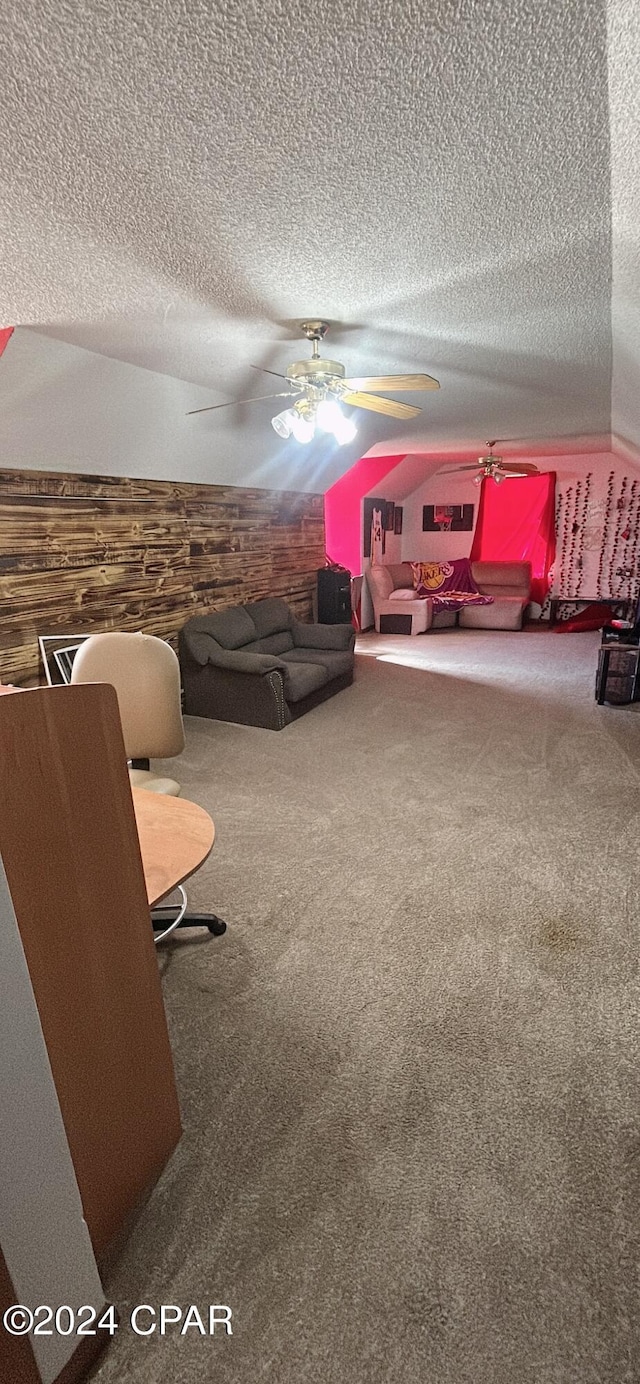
x: 176, y: 837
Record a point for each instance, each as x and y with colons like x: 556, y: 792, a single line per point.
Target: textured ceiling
x: 624, y: 87
x: 184, y: 182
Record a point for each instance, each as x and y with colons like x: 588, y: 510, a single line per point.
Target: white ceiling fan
x: 319, y: 386
x: 495, y: 468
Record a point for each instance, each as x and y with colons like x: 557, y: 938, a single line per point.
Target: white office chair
x: 146, y: 675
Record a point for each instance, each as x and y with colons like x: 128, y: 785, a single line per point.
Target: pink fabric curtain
x: 516, y: 523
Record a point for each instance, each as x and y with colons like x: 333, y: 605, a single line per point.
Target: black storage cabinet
x: 618, y: 675
x: 334, y: 596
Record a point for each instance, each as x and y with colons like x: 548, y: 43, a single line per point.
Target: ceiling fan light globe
x: 477, y: 480
x: 303, y: 429
x: 329, y: 415
x: 331, y: 419
x: 345, y: 432
x: 498, y: 477
x: 283, y: 423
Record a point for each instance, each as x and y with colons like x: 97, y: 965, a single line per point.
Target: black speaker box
x: 334, y: 596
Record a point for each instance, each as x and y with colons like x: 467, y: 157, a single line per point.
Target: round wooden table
x: 176, y: 836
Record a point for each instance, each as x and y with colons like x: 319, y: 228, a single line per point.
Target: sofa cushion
x: 197, y: 636
x: 380, y: 583
x: 269, y: 617
x: 300, y: 679
x: 505, y: 578
x: 322, y: 636
x: 505, y: 613
x: 401, y: 573
x: 244, y: 660
x: 196, y: 642
x: 335, y: 661
x: 403, y: 593
x: 275, y: 643
x: 231, y: 628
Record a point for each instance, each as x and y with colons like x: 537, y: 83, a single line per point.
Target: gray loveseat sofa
x: 260, y: 666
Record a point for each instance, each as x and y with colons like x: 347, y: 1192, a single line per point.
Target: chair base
x: 168, y: 917
x: 209, y: 920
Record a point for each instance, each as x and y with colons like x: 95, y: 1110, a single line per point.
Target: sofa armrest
x: 196, y: 646
x: 224, y: 694
x: 322, y: 636
x: 420, y: 611
x: 235, y: 661
x: 400, y: 607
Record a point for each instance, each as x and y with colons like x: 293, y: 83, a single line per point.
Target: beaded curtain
x: 598, y: 535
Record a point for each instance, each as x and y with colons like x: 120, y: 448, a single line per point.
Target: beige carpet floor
x: 410, y: 1071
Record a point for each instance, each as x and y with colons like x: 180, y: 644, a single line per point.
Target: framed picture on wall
x: 445, y: 518
x: 397, y: 519
x: 370, y: 504
x: 388, y: 514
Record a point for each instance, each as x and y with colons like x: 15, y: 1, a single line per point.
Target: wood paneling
x: 85, y: 553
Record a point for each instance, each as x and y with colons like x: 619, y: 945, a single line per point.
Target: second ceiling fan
x: 495, y: 468
x: 319, y: 386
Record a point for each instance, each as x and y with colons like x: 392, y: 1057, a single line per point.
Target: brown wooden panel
x: 17, y: 1360
x: 70, y: 848
x: 82, y: 553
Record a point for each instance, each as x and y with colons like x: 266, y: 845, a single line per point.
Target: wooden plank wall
x: 85, y: 553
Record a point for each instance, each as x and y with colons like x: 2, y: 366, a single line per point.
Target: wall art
x: 445, y: 518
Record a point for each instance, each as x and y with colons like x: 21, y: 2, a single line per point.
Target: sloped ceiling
x: 184, y: 183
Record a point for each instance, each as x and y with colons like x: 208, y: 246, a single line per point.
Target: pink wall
x: 343, y: 509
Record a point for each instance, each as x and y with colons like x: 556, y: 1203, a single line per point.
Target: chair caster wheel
x: 217, y: 927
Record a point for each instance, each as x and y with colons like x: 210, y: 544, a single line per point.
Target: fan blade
x: 395, y: 382
x: 524, y: 469
x: 263, y: 371
x: 391, y: 407
x: 453, y: 470
x: 286, y: 394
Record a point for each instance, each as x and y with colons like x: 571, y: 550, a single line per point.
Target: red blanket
x: 449, y: 584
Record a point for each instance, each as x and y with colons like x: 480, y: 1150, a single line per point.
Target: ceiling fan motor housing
x: 315, y: 371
